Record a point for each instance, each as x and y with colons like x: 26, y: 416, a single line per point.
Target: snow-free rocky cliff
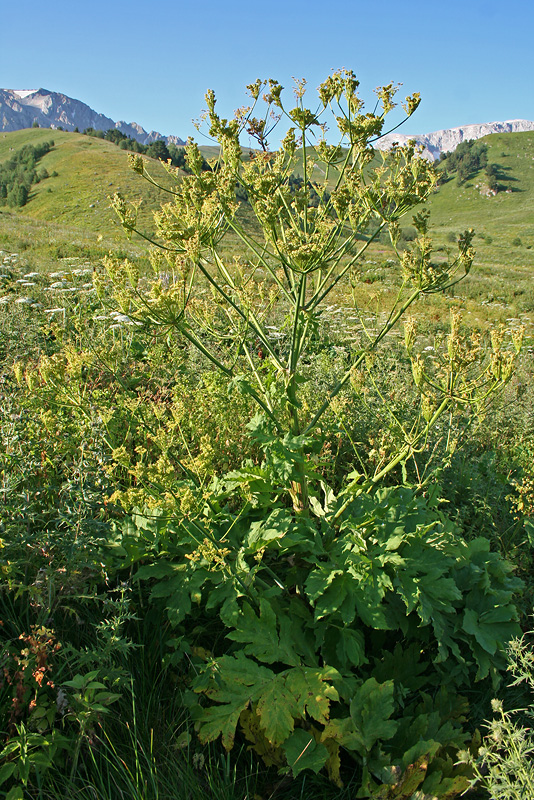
x: 21, y: 108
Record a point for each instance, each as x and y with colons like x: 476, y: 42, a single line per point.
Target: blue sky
x: 151, y: 63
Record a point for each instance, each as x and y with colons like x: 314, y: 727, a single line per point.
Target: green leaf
x: 7, y: 771
x: 161, y: 569
x: 304, y: 752
x: 312, y: 691
x: 221, y: 720
x: 297, y: 630
x: 177, y: 591
x: 369, y: 721
x: 490, y: 630
x: 369, y: 589
x: 96, y: 685
x: 260, y: 636
x: 318, y: 582
x: 263, y: 532
x: 334, y: 596
x: 351, y: 648
x: 15, y: 793
x: 81, y: 681
x: 277, y: 709
x: 235, y: 682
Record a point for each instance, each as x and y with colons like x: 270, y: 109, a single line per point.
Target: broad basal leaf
x: 263, y: 532
x: 260, y: 635
x: 312, y: 691
x: 234, y: 682
x: 304, y: 752
x: 369, y: 721
x: 277, y: 710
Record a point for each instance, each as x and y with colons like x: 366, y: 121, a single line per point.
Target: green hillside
x: 68, y: 213
x: 503, y: 218
x: 88, y: 171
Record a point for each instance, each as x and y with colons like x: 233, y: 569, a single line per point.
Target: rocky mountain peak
x: 21, y: 108
x: 446, y: 141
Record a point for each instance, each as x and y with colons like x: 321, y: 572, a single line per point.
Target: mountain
x: 22, y: 108
x: 446, y: 141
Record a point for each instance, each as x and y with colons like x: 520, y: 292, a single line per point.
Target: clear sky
x: 471, y: 60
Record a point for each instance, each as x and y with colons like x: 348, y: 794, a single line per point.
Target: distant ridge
x: 446, y: 141
x: 21, y: 108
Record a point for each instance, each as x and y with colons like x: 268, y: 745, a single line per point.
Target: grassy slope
x: 507, y: 215
x: 89, y: 171
x: 502, y: 273
x: 72, y: 210
x: 510, y: 213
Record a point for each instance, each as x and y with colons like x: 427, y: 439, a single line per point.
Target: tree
x: 18, y: 196
x: 177, y: 155
x: 158, y: 149
x: 115, y: 136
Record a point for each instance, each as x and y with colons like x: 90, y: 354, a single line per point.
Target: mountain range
x: 446, y: 141
x: 23, y: 108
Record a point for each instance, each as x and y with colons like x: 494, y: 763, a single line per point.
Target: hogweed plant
x: 308, y: 237
x: 330, y: 631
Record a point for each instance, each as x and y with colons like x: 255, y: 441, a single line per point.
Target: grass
x: 89, y: 170
x: 504, y: 217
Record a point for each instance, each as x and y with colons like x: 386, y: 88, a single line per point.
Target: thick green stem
x: 299, y: 490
